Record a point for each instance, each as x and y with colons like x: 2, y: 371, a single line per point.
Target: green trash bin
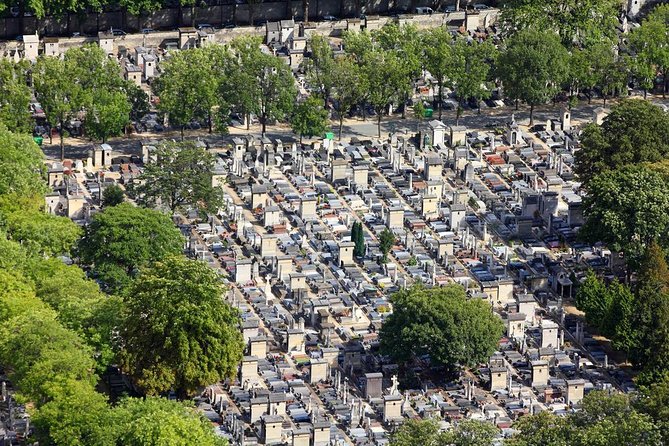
x: 329, y: 135
x: 38, y: 139
x: 428, y: 113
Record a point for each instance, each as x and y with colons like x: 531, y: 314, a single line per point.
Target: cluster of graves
x: 495, y: 211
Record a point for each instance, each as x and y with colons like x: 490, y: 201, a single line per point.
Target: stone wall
x: 227, y: 11
x: 333, y: 29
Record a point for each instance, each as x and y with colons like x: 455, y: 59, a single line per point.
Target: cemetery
x: 319, y: 240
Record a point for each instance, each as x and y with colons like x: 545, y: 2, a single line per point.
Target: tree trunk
x: 182, y: 132
x: 305, y: 11
x: 341, y: 124
x: 378, y: 123
x: 440, y: 100
x: 531, y: 115
x: 263, y: 124
x: 645, y: 93
x: 457, y: 5
x: 248, y: 121
x: 666, y: 85
x: 209, y: 122
x: 62, y: 143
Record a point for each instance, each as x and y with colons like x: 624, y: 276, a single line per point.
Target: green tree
x: 472, y: 70
x: 77, y: 416
x: 22, y: 168
x: 544, y: 428
x: 358, y: 237
x: 471, y: 433
x: 593, y: 297
x: 240, y: 86
x: 188, y: 88
x: 651, y: 312
x: 634, y: 132
x: 80, y: 304
x: 358, y: 44
x: 439, y: 59
x: 604, y: 419
x: 41, y: 233
x: 38, y: 351
x: 320, y: 65
x: 139, y: 101
x: 577, y: 22
x: 108, y: 114
x: 532, y: 67
x: 386, y: 81
x: 627, y: 209
x: 180, y: 178
x: 102, y: 93
x: 418, y: 432
x: 581, y: 77
x: 405, y: 42
x: 386, y: 242
x: 113, y: 195
x: 56, y: 93
x: 621, y: 317
x: 650, y: 44
x: 654, y: 401
x: 17, y: 296
x: 310, y: 118
x: 15, y: 94
x: 610, y: 69
x: 276, y: 87
x: 442, y: 322
x: 348, y: 84
x: 177, y: 332
x: 259, y: 83
x: 157, y: 421
x: 122, y: 238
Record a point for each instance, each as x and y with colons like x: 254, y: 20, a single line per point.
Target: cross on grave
x: 393, y: 388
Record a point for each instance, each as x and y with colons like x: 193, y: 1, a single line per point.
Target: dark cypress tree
x: 359, y: 240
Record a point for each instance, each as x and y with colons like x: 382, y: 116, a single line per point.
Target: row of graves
x: 482, y: 209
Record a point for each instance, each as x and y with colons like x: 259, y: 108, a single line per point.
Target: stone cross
x: 393, y: 388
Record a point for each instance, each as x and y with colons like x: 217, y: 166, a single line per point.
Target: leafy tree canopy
x: 533, y: 66
x: 604, y: 419
x: 626, y: 208
x: 577, y: 22
x: 442, y: 322
x: 123, y: 238
x: 180, y: 178
x: 112, y: 195
x: 157, y: 421
x: 636, y: 131
x: 310, y: 118
x: 178, y: 333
